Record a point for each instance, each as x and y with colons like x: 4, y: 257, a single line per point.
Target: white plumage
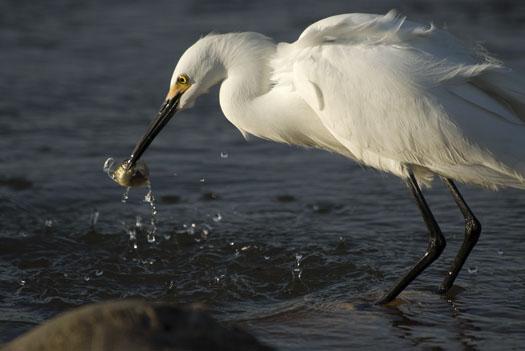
x: 391, y: 94
x: 384, y: 91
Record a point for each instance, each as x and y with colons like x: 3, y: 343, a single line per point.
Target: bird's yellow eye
x: 183, y: 79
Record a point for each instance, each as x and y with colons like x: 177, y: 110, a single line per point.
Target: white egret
x: 385, y: 92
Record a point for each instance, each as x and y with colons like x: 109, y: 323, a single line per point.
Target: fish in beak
x: 131, y: 172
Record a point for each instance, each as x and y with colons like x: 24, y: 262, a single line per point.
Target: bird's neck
x: 247, y: 78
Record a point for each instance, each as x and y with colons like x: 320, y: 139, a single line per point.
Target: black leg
x: 435, y: 247
x: 472, y: 232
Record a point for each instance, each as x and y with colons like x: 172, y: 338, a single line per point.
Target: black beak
x: 167, y: 110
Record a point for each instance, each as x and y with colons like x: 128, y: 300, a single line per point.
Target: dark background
x: 290, y: 242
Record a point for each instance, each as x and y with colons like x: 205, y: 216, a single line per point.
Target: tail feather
x: 506, y: 87
x: 494, y: 155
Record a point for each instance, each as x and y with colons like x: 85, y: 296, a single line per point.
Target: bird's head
x: 198, y: 69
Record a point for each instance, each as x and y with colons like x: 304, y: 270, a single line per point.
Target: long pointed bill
x: 167, y: 111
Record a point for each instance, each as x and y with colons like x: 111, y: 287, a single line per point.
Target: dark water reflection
x: 293, y: 243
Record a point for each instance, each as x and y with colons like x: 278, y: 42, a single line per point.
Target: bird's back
x: 397, y: 93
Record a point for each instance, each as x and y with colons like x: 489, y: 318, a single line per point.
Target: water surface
x: 294, y: 244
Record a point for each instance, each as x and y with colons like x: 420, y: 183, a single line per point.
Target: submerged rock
x: 135, y: 326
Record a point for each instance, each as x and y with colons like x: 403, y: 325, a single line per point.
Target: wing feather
x: 396, y: 93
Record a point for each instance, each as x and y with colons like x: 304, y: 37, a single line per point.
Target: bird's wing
x: 395, y: 92
x: 369, y: 30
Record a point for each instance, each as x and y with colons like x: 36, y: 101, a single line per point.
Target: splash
x: 94, y: 217
x: 126, y: 175
x: 217, y: 217
x: 125, y: 196
x: 297, y: 271
x: 150, y: 199
x: 108, y: 167
x: 472, y: 270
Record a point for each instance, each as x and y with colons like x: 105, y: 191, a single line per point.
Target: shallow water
x: 294, y: 244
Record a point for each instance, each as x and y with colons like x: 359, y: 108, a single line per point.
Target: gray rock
x: 135, y: 326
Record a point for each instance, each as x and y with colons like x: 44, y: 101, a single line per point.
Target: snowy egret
x: 391, y: 94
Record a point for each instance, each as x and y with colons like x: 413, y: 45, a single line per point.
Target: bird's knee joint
x: 437, y: 245
x: 472, y: 228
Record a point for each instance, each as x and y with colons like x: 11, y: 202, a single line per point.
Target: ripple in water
x: 472, y: 270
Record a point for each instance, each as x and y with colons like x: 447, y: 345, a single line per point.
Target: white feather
x: 386, y: 92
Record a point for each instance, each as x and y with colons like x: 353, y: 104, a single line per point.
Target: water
x: 293, y: 244
x: 149, y: 198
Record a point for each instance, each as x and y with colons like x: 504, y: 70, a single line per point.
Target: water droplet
x: 171, y: 285
x: 87, y: 278
x: 473, y: 270
x: 266, y: 258
x: 217, y: 217
x: 48, y: 223
x: 22, y: 282
x: 94, y: 217
x: 99, y: 272
x: 66, y: 275
x: 138, y: 222
x: 297, y: 273
x: 167, y: 236
x: 108, y: 166
x: 202, y: 180
x: 135, y: 246
x: 500, y: 252
x: 224, y: 154
x: 175, y: 174
x: 218, y: 278
x: 244, y: 248
x: 150, y: 199
x: 232, y: 243
x: 132, y: 234
x: 125, y: 196
x: 298, y: 259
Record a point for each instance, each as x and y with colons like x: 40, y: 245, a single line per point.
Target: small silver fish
x: 135, y: 176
